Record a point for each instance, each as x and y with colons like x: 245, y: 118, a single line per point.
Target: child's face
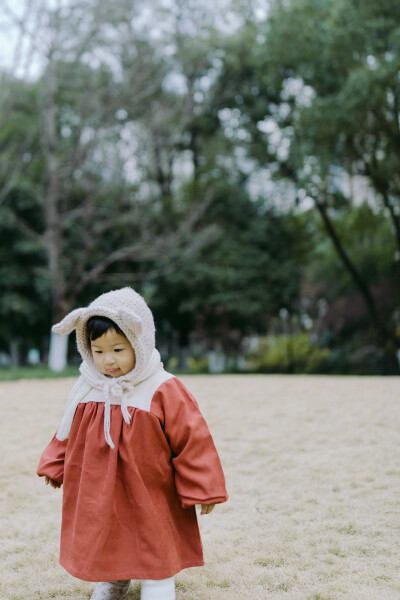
x: 112, y: 353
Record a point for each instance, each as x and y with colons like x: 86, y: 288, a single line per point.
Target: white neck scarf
x: 117, y: 389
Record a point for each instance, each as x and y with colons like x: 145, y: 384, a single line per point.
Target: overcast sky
x: 17, y: 50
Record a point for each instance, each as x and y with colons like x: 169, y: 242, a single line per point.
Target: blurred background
x: 236, y: 162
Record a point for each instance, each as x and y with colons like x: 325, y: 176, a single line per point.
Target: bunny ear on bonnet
x: 69, y: 322
x: 133, y: 321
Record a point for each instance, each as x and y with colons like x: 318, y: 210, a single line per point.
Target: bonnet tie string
x: 115, y: 390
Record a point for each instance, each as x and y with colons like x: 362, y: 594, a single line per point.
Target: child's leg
x: 158, y: 589
x: 111, y: 590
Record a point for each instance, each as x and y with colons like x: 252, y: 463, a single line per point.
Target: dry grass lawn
x: 312, y: 467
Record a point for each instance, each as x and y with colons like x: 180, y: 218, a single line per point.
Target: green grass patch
x: 348, y: 529
x: 7, y: 374
x: 270, y: 562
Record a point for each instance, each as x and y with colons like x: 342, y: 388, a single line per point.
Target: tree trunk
x: 53, y: 235
x: 14, y: 353
x: 58, y: 352
x: 382, y: 331
x: 394, y: 217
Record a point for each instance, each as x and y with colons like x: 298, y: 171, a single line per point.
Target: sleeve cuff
x: 187, y: 502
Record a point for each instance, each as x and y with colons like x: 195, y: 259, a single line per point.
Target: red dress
x: 129, y: 513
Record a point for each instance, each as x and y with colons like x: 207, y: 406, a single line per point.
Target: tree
x: 89, y: 119
x: 235, y: 285
x: 24, y: 294
x: 320, y: 94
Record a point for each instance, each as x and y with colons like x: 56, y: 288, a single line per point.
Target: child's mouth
x: 112, y: 371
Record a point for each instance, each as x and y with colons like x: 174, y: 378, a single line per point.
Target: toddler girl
x: 134, y: 455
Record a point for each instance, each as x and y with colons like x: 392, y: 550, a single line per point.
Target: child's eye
x: 118, y: 350
x: 97, y: 352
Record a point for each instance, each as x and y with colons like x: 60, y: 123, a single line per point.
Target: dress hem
x: 132, y: 575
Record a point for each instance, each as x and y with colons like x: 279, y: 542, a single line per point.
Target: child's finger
x: 54, y: 484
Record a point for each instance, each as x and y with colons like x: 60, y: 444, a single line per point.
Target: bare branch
x: 207, y: 236
x: 27, y: 31
x: 148, y: 248
x: 27, y: 229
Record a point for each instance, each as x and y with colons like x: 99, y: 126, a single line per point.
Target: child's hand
x: 54, y: 484
x: 206, y: 509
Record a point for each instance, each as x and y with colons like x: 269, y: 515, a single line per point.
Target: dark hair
x: 97, y: 326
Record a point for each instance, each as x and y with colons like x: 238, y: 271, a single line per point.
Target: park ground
x: 312, y: 468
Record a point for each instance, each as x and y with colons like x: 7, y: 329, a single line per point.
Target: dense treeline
x: 240, y: 170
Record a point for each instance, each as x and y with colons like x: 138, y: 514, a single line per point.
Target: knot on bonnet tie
x: 116, y: 390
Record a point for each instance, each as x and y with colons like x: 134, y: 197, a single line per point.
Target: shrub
x: 288, y: 354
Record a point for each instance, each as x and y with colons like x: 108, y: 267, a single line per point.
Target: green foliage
x: 337, y: 64
x: 197, y: 364
x: 24, y: 295
x: 366, y: 235
x: 236, y: 283
x: 288, y: 354
x: 320, y: 91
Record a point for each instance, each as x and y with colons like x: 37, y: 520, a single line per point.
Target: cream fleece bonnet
x: 132, y: 315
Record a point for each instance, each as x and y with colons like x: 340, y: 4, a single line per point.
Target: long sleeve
x: 199, y: 478
x: 52, y: 460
